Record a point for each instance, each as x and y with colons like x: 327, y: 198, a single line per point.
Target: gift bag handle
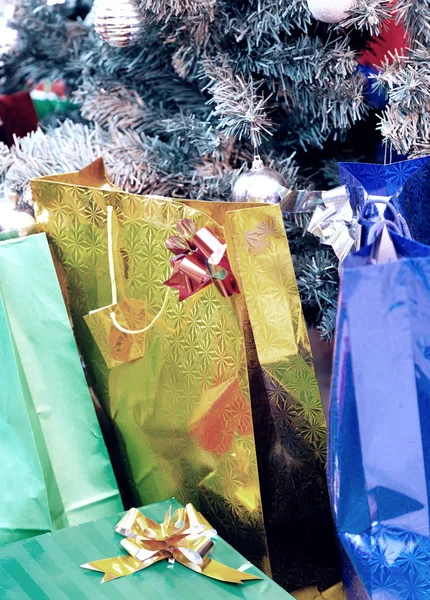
x: 113, y: 282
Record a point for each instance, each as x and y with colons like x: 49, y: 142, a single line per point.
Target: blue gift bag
x: 379, y: 445
x: 405, y: 184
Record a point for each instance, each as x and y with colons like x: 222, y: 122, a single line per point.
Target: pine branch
x: 415, y: 16
x: 195, y: 134
x: 166, y: 9
x: 114, y: 106
x: 327, y: 325
x: 405, y: 123
x: 319, y: 86
x: 318, y: 282
x: 370, y: 15
x: 238, y: 106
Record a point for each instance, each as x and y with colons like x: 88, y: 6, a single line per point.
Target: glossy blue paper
x: 379, y: 450
x: 406, y: 183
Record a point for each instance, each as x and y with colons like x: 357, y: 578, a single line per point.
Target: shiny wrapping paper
x: 184, y: 536
x: 55, y: 471
x: 184, y: 410
x: 406, y: 184
x: 379, y: 459
x: 47, y: 568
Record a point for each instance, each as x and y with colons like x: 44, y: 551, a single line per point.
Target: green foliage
x: 316, y: 269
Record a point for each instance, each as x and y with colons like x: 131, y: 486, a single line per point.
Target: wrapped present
x: 55, y: 470
x: 49, y: 566
x: 189, y: 320
x: 379, y: 464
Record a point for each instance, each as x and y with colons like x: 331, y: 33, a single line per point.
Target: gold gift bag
x: 222, y: 384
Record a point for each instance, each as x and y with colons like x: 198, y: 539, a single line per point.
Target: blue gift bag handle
x: 399, y: 224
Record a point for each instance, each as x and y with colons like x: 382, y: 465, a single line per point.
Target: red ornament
x: 394, y: 38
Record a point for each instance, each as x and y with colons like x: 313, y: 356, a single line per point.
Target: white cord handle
x: 113, y: 283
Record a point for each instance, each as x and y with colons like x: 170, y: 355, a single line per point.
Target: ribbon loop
x: 334, y: 223
x: 199, y: 259
x: 185, y: 537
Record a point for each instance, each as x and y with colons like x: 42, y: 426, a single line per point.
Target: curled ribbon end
x: 90, y: 567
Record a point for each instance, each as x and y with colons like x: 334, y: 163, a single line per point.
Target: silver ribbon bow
x: 334, y: 222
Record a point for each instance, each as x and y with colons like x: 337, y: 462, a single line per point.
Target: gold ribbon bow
x: 184, y: 536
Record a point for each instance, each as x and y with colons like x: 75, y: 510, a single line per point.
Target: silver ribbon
x: 301, y: 201
x: 334, y: 222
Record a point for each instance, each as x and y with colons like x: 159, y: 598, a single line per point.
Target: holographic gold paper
x: 224, y: 384
x: 116, y: 346
x: 184, y: 536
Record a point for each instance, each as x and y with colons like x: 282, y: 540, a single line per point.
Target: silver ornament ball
x: 330, y: 11
x: 260, y: 184
x: 119, y: 23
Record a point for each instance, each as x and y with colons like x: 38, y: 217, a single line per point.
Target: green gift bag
x: 55, y: 470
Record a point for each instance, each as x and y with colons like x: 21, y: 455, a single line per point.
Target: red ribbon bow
x: 199, y: 259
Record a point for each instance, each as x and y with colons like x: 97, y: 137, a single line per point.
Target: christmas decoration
x: 12, y: 221
x: 275, y: 75
x: 197, y: 424
x: 260, y: 184
x: 184, y: 536
x: 17, y: 117
x: 61, y: 552
x: 330, y: 11
x: 199, y: 259
x: 393, y: 38
x: 119, y: 23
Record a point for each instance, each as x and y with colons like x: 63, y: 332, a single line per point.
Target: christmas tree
x: 203, y: 85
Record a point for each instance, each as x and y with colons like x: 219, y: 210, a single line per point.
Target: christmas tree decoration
x: 330, y: 11
x: 17, y: 117
x: 394, y: 38
x: 13, y: 222
x: 260, y: 184
x: 119, y: 23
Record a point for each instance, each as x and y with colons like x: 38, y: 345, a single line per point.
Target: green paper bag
x: 55, y: 471
x: 24, y: 501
